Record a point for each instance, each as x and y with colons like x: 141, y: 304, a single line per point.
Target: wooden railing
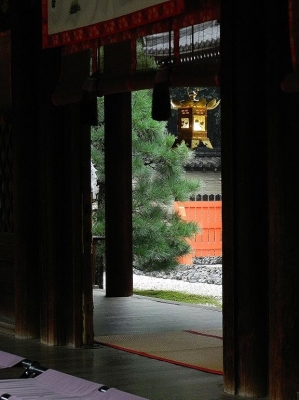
x: 208, y: 215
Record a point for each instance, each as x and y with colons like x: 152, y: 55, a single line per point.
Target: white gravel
x: 150, y: 283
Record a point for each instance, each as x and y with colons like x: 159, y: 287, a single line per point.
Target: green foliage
x: 158, y: 180
x: 97, y: 142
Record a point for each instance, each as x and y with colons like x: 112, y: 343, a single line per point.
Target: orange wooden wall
x: 208, y: 215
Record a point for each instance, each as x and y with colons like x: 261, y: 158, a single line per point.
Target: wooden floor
x: 148, y: 378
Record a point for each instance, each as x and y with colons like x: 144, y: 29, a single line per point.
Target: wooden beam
x: 181, y: 75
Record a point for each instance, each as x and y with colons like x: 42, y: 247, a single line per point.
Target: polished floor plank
x: 138, y: 314
x: 148, y: 378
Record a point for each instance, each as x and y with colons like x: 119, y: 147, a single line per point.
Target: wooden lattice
x: 6, y: 183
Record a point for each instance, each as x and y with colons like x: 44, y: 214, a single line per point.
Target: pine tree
x: 159, y: 234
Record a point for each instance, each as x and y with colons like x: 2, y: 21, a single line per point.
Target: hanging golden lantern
x: 192, y: 120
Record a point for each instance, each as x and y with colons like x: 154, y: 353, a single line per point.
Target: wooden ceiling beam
x: 181, y: 75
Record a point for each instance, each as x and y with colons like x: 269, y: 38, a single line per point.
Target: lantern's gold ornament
x: 192, y: 120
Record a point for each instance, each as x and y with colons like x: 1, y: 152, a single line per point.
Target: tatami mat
x: 198, y: 350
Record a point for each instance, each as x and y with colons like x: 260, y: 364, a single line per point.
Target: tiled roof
x: 194, y: 39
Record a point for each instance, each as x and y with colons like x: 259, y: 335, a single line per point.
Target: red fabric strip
x: 112, y: 27
x: 143, y: 354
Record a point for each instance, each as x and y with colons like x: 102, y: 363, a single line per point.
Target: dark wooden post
x: 283, y: 120
x: 245, y: 197
x: 52, y: 194
x: 65, y: 232
x: 118, y: 201
x: 118, y: 178
x: 86, y: 211
x: 25, y: 75
x: 284, y: 250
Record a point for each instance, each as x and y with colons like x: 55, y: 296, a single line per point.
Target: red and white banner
x: 71, y: 21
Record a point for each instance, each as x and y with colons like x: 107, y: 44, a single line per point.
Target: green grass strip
x: 179, y: 296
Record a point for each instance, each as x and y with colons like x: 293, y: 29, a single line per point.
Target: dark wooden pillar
x: 118, y: 177
x: 284, y: 250
x: 52, y: 194
x: 245, y: 198
x: 118, y: 192
x: 65, y: 219
x: 25, y: 66
x: 86, y: 270
x: 283, y: 119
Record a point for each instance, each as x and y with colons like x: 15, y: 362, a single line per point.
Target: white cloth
x: 65, y: 15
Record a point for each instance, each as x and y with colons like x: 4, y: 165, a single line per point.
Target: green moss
x: 179, y: 296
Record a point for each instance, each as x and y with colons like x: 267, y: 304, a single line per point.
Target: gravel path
x: 146, y: 282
